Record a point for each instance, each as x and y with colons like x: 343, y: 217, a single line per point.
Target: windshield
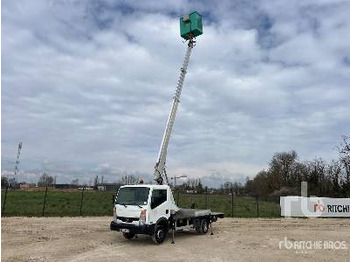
x: 132, y: 196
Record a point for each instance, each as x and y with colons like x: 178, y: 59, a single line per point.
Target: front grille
x: 128, y: 219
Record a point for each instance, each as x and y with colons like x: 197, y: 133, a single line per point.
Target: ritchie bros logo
x: 310, y: 245
x: 319, y: 207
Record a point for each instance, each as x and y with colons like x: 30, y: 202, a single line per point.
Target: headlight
x: 143, y: 216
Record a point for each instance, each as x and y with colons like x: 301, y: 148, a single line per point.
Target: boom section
x: 160, y: 175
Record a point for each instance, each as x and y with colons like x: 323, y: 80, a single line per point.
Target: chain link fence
x: 53, y: 202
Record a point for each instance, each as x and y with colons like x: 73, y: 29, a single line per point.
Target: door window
x: 159, y: 196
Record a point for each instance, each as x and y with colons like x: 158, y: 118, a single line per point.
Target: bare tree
x: 334, y: 175
x: 45, y: 180
x: 344, y: 155
x: 4, y: 182
x: 129, y: 180
x: 281, y: 170
x: 75, y: 182
x: 96, y: 182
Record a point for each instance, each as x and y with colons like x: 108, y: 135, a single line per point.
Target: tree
x: 260, y: 186
x: 75, y: 182
x: 199, y: 187
x: 4, y: 182
x: 281, y: 169
x: 227, y: 187
x: 316, y: 176
x: 344, y: 155
x: 45, y: 180
x: 237, y: 188
x: 95, y: 182
x: 129, y: 180
x: 334, y: 175
x: 285, y: 174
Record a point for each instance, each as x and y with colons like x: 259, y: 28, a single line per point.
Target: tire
x: 204, y: 227
x: 159, y: 234
x: 129, y: 235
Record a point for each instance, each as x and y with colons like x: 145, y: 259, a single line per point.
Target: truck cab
x: 143, y: 209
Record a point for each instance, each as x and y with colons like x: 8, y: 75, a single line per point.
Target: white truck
x: 151, y: 209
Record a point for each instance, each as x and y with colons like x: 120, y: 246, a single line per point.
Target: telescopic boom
x: 160, y: 175
x: 190, y: 27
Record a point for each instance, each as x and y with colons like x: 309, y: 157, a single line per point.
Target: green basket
x: 191, y: 25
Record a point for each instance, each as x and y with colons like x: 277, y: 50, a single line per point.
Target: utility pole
x: 13, y: 181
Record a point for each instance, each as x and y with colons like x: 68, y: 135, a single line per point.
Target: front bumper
x: 144, y: 229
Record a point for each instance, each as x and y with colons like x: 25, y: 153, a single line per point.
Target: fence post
x: 232, y: 202
x: 257, y: 206
x: 81, y: 200
x: 178, y: 197
x: 191, y: 199
x: 4, y: 203
x: 43, y: 213
x: 206, y: 198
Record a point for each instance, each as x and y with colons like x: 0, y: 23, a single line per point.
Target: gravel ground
x: 89, y: 239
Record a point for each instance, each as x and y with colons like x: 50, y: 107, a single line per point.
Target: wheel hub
x: 160, y: 234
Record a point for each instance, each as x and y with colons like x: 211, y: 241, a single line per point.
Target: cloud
x: 87, y: 86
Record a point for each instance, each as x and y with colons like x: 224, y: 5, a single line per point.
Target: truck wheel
x: 159, y: 234
x: 204, y: 226
x: 128, y: 235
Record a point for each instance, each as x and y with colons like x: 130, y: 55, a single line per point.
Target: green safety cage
x: 191, y: 25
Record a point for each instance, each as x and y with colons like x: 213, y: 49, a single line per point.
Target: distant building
x: 25, y: 185
x: 101, y: 188
x: 86, y: 188
x: 108, y: 186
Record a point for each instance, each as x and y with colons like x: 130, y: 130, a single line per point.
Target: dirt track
x: 89, y: 239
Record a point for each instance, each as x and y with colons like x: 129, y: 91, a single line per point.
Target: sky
x: 87, y: 86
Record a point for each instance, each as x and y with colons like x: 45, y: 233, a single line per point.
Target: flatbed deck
x: 196, y: 213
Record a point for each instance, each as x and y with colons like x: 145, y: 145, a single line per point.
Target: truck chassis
x: 183, y: 220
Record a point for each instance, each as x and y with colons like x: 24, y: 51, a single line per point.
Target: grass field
x: 99, y: 203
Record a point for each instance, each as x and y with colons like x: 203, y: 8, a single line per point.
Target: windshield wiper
x: 122, y: 204
x: 134, y: 204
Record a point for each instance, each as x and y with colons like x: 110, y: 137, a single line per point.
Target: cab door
x: 159, y: 205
